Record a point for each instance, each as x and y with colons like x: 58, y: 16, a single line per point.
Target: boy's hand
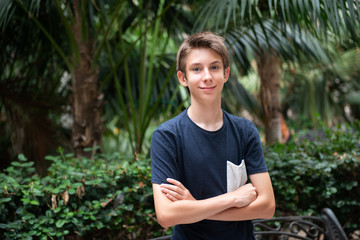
x: 176, y: 190
x: 244, y: 195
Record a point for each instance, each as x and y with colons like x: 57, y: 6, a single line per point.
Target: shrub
x: 310, y: 175
x: 107, y: 198
x: 110, y: 197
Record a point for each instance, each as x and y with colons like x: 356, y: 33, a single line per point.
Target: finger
x: 171, y: 187
x: 172, y: 193
x: 171, y: 197
x: 175, y: 182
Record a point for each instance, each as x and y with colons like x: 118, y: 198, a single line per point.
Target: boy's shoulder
x: 241, y: 123
x: 237, y: 119
x: 173, y: 123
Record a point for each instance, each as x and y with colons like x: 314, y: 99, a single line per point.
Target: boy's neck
x: 207, y: 117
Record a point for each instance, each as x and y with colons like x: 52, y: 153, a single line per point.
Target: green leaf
x: 59, y: 223
x: 49, y: 214
x: 22, y: 157
x: 43, y: 237
x: 20, y: 211
x: 3, y: 226
x: 16, y: 164
x: 71, y: 191
x: 52, y: 158
x: 69, y: 155
x: 56, y: 210
x: 55, y: 191
x: 4, y: 200
x: 33, y: 202
x: 26, y: 200
x: 75, y: 221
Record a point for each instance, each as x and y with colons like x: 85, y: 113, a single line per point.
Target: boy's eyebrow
x: 214, y: 62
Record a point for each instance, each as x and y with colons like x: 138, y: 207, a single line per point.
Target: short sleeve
x: 163, y: 156
x: 254, y: 156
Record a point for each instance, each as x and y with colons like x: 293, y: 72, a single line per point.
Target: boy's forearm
x: 170, y: 213
x: 260, y: 208
x: 190, y: 211
x: 216, y: 208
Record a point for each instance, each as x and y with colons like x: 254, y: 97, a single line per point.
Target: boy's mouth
x: 207, y: 88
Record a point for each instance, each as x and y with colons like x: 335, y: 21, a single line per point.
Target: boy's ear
x: 182, y: 78
x: 227, y: 74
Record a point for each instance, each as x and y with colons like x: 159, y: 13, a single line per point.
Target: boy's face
x: 205, y: 75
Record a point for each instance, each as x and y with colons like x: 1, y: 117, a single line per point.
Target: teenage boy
x: 201, y: 158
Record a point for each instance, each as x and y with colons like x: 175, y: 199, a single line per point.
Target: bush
x: 310, y: 175
x: 105, y: 198
x: 110, y: 197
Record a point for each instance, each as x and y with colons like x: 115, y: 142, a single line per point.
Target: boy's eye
x: 215, y: 67
x: 196, y: 69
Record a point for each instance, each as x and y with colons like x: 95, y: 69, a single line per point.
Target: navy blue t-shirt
x: 198, y: 158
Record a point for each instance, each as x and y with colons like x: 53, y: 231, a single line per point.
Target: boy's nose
x: 207, y: 75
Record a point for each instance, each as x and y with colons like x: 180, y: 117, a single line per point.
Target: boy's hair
x: 202, y: 40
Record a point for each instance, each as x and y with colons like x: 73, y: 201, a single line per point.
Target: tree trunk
x: 86, y: 99
x: 268, y: 68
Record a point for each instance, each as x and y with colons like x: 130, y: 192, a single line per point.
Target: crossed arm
x: 174, y: 204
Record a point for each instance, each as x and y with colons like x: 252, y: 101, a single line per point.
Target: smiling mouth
x: 205, y: 88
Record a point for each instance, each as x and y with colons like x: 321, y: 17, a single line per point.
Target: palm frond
x: 247, y: 43
x: 243, y: 97
x: 353, y: 97
x: 7, y: 10
x: 318, y: 17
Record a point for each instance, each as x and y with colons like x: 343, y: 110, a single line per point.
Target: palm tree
x: 107, y: 34
x: 331, y: 89
x: 76, y: 51
x: 141, y: 86
x: 278, y: 31
x: 31, y: 92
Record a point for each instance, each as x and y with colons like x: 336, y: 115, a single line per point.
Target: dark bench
x: 324, y: 227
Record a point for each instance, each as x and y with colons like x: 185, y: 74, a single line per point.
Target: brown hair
x: 202, y: 40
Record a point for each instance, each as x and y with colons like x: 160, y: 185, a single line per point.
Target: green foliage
x: 310, y: 175
x: 109, y: 197
x: 141, y: 84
